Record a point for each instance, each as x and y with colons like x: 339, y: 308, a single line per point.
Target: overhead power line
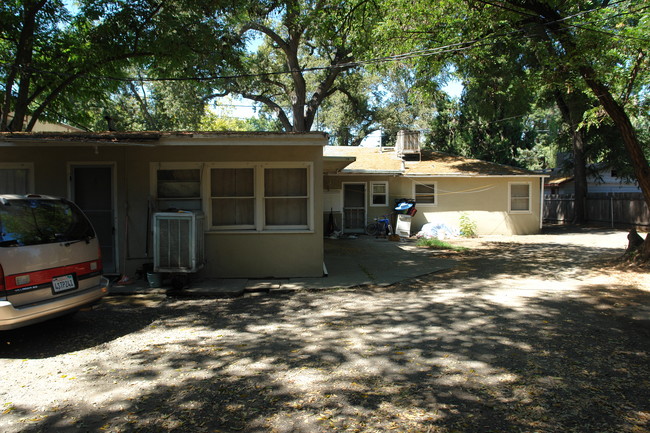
x: 426, y: 52
x: 451, y: 48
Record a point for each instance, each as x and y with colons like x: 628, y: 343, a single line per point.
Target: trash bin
x: 403, y: 226
x: 154, y: 279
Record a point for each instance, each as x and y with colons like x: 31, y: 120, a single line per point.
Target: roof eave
x: 473, y: 175
x: 377, y: 172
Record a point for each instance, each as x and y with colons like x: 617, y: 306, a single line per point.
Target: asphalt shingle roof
x: 373, y: 160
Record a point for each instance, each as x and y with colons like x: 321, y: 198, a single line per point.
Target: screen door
x: 92, y: 191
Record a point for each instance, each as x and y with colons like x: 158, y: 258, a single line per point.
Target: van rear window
x: 35, y: 221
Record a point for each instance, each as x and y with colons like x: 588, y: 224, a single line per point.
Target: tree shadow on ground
x: 532, y: 260
x: 82, y: 330
x: 472, y: 353
x: 376, y: 360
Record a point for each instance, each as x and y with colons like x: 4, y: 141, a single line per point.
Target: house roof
x: 375, y: 161
x: 559, y: 180
x: 157, y: 138
x: 366, y: 159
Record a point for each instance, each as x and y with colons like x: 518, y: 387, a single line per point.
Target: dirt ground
x: 544, y: 333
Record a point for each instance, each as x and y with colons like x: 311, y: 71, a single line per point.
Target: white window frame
x: 260, y: 198
x: 530, y: 197
x: 435, y: 193
x: 29, y: 166
x: 385, y: 194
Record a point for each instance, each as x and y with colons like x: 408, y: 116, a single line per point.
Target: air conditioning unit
x: 178, y: 241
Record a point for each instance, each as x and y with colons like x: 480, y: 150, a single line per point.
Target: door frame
x: 71, y: 166
x: 365, y: 206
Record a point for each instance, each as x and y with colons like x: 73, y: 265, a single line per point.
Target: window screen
x: 14, y: 181
x: 425, y: 193
x: 379, y: 193
x: 286, y: 197
x: 233, y: 196
x: 520, y: 197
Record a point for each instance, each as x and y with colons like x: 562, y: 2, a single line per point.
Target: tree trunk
x: 21, y: 69
x: 634, y: 241
x: 572, y: 113
x: 580, y: 176
x: 639, y: 162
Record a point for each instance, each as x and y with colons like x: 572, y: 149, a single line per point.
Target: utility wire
x: 454, y: 48
x: 570, y: 17
x: 427, y: 52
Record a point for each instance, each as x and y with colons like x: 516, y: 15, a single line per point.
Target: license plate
x: 63, y: 283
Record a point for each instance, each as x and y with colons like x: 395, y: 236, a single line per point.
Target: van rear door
x: 48, y: 249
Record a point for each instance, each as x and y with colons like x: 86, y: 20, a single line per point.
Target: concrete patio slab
x: 349, y: 262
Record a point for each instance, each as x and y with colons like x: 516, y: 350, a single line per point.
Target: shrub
x: 438, y: 244
x: 467, y: 226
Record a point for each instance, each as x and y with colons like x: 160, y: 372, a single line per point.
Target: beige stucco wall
x: 240, y: 254
x: 485, y: 200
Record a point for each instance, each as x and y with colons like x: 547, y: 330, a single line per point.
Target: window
x: 425, y: 193
x: 285, y: 197
x: 15, y: 178
x: 520, y: 197
x: 233, y: 197
x: 35, y: 221
x: 178, y: 188
x: 261, y: 197
x: 239, y: 196
x: 379, y: 193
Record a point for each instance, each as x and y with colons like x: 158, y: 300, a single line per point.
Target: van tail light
x: 100, y: 264
x: 2, y: 282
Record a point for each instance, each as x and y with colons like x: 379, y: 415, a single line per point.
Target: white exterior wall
x: 485, y: 200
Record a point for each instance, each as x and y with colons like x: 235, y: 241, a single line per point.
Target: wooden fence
x: 604, y: 208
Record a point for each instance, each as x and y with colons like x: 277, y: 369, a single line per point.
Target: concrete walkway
x: 349, y: 262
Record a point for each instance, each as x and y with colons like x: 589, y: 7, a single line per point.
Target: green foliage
x: 467, y: 226
x: 106, y: 57
x: 438, y: 244
x: 306, y: 56
x: 64, y: 66
x: 518, y: 60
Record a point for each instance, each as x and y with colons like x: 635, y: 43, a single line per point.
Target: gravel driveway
x: 526, y: 334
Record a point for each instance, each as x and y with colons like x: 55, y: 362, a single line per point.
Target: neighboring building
x: 40, y: 126
x: 261, y: 193
x: 600, y: 179
x: 498, y: 198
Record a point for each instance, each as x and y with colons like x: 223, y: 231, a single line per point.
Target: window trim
x: 530, y: 198
x: 435, y: 193
x: 372, y: 193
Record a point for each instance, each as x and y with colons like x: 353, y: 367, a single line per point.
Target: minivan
x: 50, y: 261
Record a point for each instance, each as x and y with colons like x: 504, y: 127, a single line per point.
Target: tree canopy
x: 539, y: 75
x: 54, y: 61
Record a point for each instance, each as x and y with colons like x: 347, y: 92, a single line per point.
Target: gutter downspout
x: 541, y: 202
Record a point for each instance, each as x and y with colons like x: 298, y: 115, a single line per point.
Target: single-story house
x: 258, y: 196
x: 361, y: 183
